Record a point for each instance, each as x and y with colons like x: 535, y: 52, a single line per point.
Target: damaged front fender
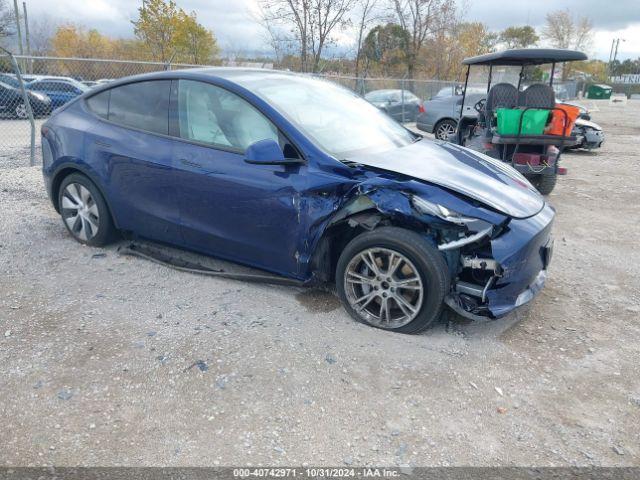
x: 388, y: 201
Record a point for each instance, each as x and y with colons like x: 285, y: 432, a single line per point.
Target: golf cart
x: 524, y: 127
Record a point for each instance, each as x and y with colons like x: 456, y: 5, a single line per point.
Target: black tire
x: 106, y: 231
x: 429, y: 262
x: 545, y: 183
x: 446, y: 124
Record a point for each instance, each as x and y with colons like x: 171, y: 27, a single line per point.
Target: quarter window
x: 215, y: 116
x: 99, y: 104
x: 143, y: 105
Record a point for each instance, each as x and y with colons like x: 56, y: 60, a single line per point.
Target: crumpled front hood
x: 470, y: 173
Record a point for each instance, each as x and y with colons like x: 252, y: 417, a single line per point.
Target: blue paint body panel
x: 273, y: 217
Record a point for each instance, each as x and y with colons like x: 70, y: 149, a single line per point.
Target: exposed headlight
x: 440, y: 211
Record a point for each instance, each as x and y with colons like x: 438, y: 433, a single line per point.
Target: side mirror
x: 268, y: 152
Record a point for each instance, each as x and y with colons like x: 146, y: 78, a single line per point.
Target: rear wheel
x: 84, y: 211
x: 444, y: 128
x: 391, y: 278
x: 544, y: 183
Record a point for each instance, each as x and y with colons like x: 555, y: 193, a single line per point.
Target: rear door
x: 229, y: 208
x: 135, y: 151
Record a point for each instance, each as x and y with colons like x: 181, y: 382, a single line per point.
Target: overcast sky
x: 233, y: 21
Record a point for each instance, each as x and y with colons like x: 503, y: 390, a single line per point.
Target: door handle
x: 190, y: 163
x: 102, y: 144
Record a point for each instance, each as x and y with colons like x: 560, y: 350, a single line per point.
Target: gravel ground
x: 107, y: 360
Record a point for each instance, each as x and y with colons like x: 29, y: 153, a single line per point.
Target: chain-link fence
x: 51, y: 82
x: 17, y: 127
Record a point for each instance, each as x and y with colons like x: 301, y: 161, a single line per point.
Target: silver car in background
x: 441, y: 113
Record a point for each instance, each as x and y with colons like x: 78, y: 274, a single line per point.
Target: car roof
x: 526, y: 56
x: 385, y: 90
x: 236, y: 75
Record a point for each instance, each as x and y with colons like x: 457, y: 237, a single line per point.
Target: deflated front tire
x: 392, y: 278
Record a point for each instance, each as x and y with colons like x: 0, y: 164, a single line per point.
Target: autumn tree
x: 157, y: 27
x: 74, y: 41
x: 422, y: 19
x: 519, y: 37
x: 195, y: 43
x: 311, y: 23
x: 445, y: 52
x: 563, y: 30
x: 171, y: 34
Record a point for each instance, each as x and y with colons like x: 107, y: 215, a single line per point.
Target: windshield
x: 336, y: 119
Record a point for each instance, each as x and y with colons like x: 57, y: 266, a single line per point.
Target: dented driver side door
x: 228, y: 208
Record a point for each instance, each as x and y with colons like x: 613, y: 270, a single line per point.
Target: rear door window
x: 142, y: 105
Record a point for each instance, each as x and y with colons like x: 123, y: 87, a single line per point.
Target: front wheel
x: 544, y: 183
x: 391, y: 278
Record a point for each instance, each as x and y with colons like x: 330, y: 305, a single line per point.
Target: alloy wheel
x: 80, y: 211
x: 383, y: 287
x: 444, y: 130
x: 21, y: 111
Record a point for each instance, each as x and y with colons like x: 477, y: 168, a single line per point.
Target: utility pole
x: 18, y: 29
x: 26, y: 37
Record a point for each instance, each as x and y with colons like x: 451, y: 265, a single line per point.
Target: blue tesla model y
x: 302, y: 178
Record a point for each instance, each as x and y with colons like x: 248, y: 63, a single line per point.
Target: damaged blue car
x: 301, y: 178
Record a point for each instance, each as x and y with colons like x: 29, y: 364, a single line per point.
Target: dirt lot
x: 106, y: 360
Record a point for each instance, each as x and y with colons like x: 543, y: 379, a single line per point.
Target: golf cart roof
x: 526, y: 56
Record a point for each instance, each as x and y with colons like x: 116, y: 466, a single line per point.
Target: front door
x: 229, y: 208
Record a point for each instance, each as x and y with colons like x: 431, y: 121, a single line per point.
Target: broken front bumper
x: 593, y: 138
x: 523, y: 253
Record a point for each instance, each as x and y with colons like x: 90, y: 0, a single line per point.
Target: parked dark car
x: 402, y: 105
x: 60, y: 91
x: 303, y: 178
x: 12, y: 102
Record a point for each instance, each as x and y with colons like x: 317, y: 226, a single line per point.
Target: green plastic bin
x: 533, y: 123
x: 599, y: 91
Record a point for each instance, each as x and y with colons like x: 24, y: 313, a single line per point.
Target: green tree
x: 519, y: 37
x: 196, y: 44
x: 386, y: 45
x: 157, y: 26
x: 172, y: 35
